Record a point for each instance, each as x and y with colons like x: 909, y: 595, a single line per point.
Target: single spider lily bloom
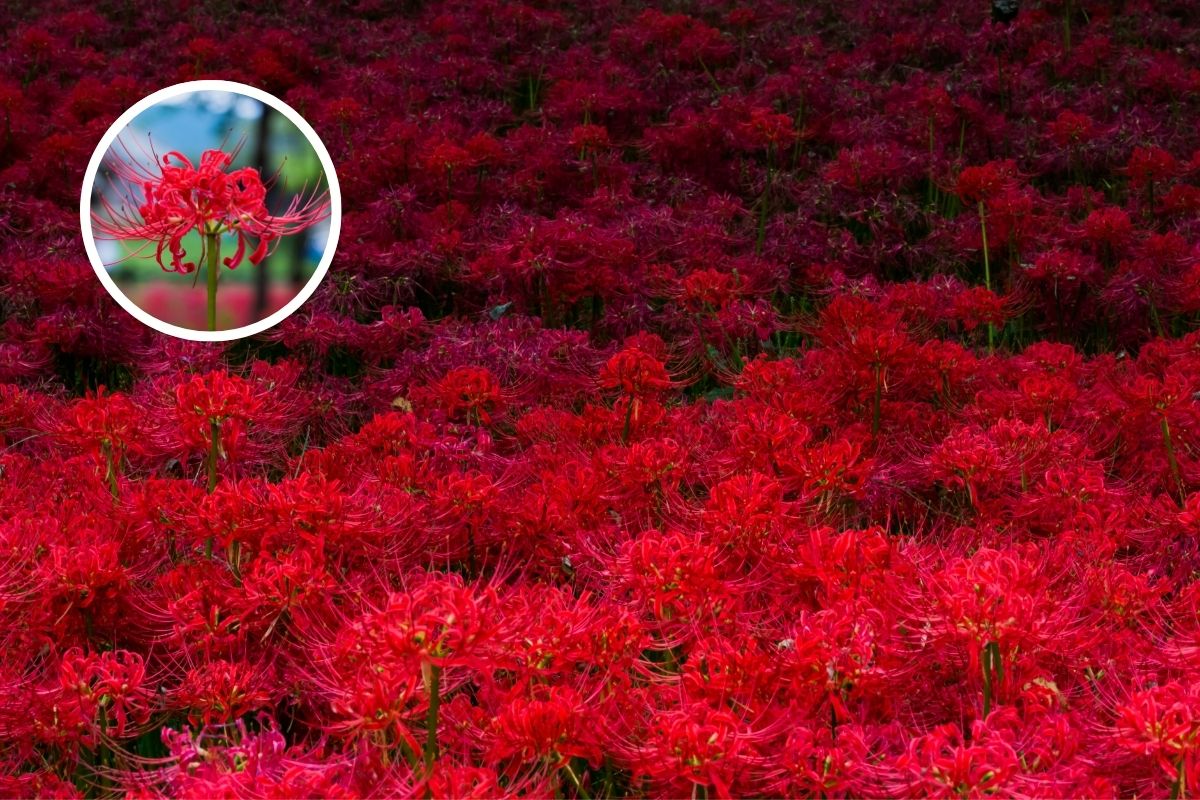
x: 176, y: 197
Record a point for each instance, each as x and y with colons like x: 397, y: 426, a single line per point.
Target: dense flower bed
x: 776, y: 399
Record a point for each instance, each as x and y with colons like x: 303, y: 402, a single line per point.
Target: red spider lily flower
x: 108, y: 684
x: 228, y: 400
x: 635, y: 373
x: 1070, y: 129
x: 552, y: 726
x: 234, y: 761
x: 220, y: 691
x: 104, y: 426
x: 1109, y: 227
x: 698, y: 745
x: 765, y: 129
x: 818, y: 762
x: 674, y: 577
x: 944, y: 763
x: 1164, y: 724
x: 177, y: 197
x: 84, y: 583
x: 977, y: 305
x: 986, y: 181
x: 590, y: 138
x: 1148, y: 165
x: 470, y: 393
x: 467, y: 782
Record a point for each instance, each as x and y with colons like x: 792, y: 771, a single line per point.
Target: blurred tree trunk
x: 291, y: 248
x: 295, y: 246
x: 261, y: 156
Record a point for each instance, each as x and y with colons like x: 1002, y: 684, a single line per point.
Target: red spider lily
x: 105, y: 426
x: 469, y: 783
x: 472, y: 393
x: 986, y: 181
x: 1070, y: 129
x: 1163, y: 724
x: 174, y: 199
x: 822, y: 763
x: 641, y: 378
x: 942, y: 764
x: 553, y: 728
x: 764, y: 129
x: 213, y: 412
x: 1148, y: 166
x: 698, y: 746
x: 221, y: 692
x: 107, y: 689
x: 636, y: 373
x: 178, y: 197
x: 673, y: 578
x: 204, y: 763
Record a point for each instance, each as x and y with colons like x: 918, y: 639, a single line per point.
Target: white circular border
x: 335, y: 211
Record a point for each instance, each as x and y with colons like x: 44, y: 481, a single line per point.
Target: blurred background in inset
x: 192, y: 123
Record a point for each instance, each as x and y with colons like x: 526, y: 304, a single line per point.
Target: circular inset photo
x: 210, y: 210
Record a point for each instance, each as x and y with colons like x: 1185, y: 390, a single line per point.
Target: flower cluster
x: 762, y: 399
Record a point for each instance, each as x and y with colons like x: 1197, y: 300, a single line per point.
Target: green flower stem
x: 877, y: 406
x: 213, y: 249
x: 579, y: 790
x: 993, y: 671
x: 110, y: 468
x: 433, y: 680
x: 1172, y: 461
x: 987, y: 273
x: 214, y: 452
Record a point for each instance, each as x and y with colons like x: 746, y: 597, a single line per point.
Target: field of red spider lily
x: 706, y: 400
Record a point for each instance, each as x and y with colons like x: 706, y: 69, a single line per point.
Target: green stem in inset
x: 213, y: 249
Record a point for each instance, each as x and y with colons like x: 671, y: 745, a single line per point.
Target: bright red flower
x: 1070, y: 129
x: 986, y: 181
x: 175, y: 197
